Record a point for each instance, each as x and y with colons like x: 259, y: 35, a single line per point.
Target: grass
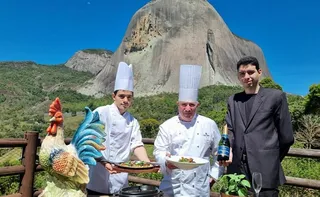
x: 149, y: 149
x: 11, y: 156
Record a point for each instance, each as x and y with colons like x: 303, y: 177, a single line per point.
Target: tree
x: 269, y: 83
x: 312, y: 101
x: 296, y: 108
x: 309, y: 130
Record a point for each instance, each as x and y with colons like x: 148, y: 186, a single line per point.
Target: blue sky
x: 51, y: 31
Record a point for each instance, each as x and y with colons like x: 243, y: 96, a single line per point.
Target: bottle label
x: 223, y: 150
x: 224, y: 136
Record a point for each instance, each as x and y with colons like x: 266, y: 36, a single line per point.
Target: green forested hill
x: 26, y: 89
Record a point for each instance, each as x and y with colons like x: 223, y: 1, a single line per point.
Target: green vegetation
x: 269, y: 83
x: 27, y: 89
x: 149, y: 127
x: 233, y: 184
x: 312, y: 102
x: 97, y: 51
x: 9, y: 184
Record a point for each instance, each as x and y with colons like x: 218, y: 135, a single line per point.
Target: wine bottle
x: 224, y: 146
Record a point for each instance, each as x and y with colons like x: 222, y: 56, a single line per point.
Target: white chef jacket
x: 198, y: 138
x: 123, y: 136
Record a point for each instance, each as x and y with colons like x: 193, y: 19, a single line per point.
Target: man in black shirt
x: 260, y: 129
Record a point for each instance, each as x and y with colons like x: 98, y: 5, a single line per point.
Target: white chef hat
x: 124, y: 77
x: 189, y: 82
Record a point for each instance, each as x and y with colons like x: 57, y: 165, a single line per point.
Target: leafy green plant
x: 233, y: 184
x: 149, y: 127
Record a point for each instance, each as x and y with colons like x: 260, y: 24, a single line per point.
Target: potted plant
x: 230, y: 185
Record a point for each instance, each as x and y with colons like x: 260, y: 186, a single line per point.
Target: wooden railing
x: 29, y: 165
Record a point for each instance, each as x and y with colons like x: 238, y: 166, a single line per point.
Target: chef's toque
x: 190, y: 76
x: 124, y: 77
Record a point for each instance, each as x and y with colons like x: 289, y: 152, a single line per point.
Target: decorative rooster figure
x: 67, y: 164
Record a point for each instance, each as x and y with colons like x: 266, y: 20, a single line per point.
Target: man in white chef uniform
x: 123, y: 137
x: 188, y: 134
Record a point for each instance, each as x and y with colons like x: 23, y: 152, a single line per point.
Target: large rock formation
x: 90, y: 60
x: 164, y: 34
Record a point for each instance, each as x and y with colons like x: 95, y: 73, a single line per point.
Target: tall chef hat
x: 124, y: 77
x: 189, y: 82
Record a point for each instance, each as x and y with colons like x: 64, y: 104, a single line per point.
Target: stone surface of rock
x: 164, y: 34
x: 90, y: 60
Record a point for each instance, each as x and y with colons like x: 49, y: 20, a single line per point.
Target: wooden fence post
x: 29, y: 156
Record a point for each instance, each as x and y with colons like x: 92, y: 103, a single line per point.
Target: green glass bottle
x: 224, y: 146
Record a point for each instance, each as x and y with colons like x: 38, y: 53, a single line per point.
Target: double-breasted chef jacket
x: 198, y: 138
x: 123, y: 136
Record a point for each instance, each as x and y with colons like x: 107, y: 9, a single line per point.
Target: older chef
x: 188, y: 134
x: 123, y: 137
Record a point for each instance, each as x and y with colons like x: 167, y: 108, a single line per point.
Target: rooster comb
x: 55, y: 107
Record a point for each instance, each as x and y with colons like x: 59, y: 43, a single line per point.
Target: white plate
x: 184, y: 165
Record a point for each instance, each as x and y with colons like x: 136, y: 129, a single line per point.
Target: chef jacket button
x: 192, y: 185
x: 197, y: 133
x: 198, y: 146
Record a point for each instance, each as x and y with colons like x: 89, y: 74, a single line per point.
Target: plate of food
x: 135, y: 165
x: 186, y: 162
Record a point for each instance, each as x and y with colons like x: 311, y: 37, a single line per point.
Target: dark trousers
x: 264, y: 192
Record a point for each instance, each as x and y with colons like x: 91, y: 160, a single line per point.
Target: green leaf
x: 241, y: 176
x: 231, y: 187
x: 245, y: 183
x: 242, y: 192
x: 232, y: 176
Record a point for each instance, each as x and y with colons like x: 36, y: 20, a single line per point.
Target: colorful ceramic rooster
x: 67, y: 165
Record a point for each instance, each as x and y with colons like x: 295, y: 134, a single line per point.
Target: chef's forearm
x: 141, y: 153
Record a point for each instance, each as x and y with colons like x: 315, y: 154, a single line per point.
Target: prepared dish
x: 136, y: 164
x: 186, y: 160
